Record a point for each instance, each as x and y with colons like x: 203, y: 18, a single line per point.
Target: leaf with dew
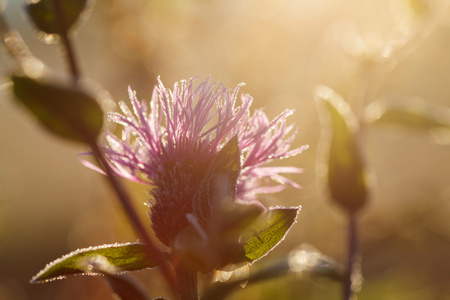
x: 68, y: 112
x: 118, y: 257
x: 268, y: 231
x: 234, y: 233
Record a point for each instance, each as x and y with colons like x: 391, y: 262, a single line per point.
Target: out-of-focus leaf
x: 120, y: 257
x: 232, y: 275
x: 303, y: 261
x: 347, y: 180
x: 68, y: 112
x: 54, y: 19
x: 413, y: 113
x: 307, y: 260
x: 267, y: 231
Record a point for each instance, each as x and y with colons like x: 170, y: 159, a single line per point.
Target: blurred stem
x: 13, y: 42
x: 352, y: 252
x: 64, y: 32
x: 187, y: 283
x: 135, y: 221
x: 121, y: 193
x: 71, y: 57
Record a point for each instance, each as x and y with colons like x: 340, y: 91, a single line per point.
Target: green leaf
x: 307, y: 260
x: 302, y: 261
x: 119, y: 257
x: 68, y: 112
x: 55, y: 18
x: 268, y: 231
x: 123, y: 285
x: 347, y: 178
x: 410, y: 113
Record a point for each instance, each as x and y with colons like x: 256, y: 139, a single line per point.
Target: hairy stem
x: 352, y: 253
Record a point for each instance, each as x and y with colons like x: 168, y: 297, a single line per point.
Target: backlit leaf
x: 307, y: 260
x: 95, y: 261
x: 46, y: 16
x: 68, y: 112
x: 267, y: 231
x: 303, y: 261
x: 411, y: 113
x: 347, y: 179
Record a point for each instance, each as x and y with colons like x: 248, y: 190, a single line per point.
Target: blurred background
x: 389, y: 51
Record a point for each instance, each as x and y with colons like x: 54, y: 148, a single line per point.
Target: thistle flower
x: 171, y: 145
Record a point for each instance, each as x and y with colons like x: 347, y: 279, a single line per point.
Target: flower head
x: 171, y: 144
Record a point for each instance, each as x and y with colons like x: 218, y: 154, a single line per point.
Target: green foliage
x: 267, y: 231
x: 235, y: 233
x: 412, y: 113
x: 347, y: 180
x: 303, y: 261
x: 68, y: 112
x: 110, y: 259
x: 55, y: 18
x: 243, y: 244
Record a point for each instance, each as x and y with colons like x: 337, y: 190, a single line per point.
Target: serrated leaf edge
x: 298, y: 209
x: 35, y: 278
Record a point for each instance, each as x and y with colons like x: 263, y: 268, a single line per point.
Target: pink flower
x: 171, y: 145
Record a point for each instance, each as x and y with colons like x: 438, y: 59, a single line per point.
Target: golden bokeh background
x: 365, y: 50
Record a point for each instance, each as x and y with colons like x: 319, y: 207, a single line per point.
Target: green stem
x: 352, y: 252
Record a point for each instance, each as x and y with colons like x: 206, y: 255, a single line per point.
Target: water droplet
x: 89, y: 269
x: 45, y: 37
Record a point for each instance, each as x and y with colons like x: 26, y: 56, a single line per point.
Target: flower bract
x: 171, y: 142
